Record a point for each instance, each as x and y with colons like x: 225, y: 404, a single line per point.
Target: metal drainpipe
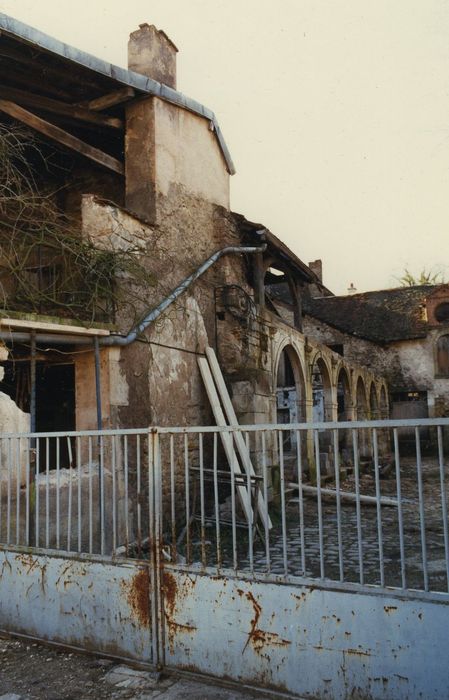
x: 64, y: 339
x: 180, y: 289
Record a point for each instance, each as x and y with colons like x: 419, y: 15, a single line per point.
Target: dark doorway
x: 55, y: 400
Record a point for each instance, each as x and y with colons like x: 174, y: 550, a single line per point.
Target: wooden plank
x: 52, y: 327
x: 346, y: 495
x: 232, y: 420
x: 226, y: 438
x: 111, y: 99
x: 57, y: 134
x: 48, y: 104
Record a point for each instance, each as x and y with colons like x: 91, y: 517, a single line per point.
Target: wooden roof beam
x: 48, y: 104
x: 111, y: 99
x: 55, y: 133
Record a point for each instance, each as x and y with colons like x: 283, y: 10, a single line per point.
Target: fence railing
x: 354, y: 502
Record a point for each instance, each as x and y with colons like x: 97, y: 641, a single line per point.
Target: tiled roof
x: 382, y: 316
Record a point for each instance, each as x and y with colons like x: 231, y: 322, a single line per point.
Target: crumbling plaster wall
x: 163, y: 363
x: 379, y: 359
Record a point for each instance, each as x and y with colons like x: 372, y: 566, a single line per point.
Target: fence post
x: 155, y: 541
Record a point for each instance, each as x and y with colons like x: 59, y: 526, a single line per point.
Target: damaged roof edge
x: 33, y: 36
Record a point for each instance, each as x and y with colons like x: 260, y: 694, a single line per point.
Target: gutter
x: 120, y: 340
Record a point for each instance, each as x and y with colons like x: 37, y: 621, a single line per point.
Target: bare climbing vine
x: 46, y: 265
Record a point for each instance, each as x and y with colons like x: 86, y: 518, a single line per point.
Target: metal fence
x: 352, y: 502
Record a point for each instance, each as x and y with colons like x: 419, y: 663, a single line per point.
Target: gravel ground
x: 32, y: 671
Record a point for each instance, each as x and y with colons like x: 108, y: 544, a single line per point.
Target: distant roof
x: 382, y: 316
x: 263, y: 235
x: 88, y: 77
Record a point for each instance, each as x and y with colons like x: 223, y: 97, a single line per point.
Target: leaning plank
x: 47, y: 104
x: 232, y: 420
x: 57, y: 134
x: 346, y: 495
x: 225, y: 437
x: 111, y: 99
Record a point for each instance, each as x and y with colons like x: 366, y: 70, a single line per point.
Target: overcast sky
x: 336, y: 113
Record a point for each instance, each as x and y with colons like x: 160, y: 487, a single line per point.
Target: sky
x: 336, y: 114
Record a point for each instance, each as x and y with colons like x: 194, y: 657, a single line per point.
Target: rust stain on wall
x: 138, y: 596
x: 259, y: 639
x: 172, y: 593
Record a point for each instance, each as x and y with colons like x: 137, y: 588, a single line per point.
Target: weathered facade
x: 143, y: 170
x: 401, y: 333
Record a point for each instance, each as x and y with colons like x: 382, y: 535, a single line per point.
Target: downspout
x: 180, y: 289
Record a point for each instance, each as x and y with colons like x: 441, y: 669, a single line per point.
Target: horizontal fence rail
x: 361, y: 502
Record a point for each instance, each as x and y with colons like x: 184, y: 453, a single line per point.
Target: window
x: 442, y: 312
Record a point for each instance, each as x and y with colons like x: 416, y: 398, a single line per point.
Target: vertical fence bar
x: 27, y: 493
x: 282, y: 489
x: 102, y: 499
x: 18, y: 479
x: 126, y: 468
x: 443, y: 500
x: 202, y: 504
x: 172, y: 498
x: 36, y: 491
x: 114, y: 492
x: 58, y: 485
x: 216, y: 502
x: 1, y: 489
x: 139, y: 498
x: 69, y: 507
x: 378, y: 508
x: 47, y: 492
x: 158, y: 550
x: 300, y: 500
x: 399, y: 497
x: 187, y: 492
x: 265, y: 498
x: 319, y: 502
x: 355, y: 445
x: 422, y: 524
x: 78, y: 464
x: 233, y: 514
x: 89, y: 439
x: 152, y: 546
x: 8, y: 502
x: 338, y: 502
x: 252, y: 509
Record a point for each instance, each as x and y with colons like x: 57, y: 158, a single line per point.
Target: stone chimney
x: 352, y: 289
x: 317, y: 268
x: 151, y: 53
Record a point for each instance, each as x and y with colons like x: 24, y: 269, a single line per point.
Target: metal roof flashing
x: 26, y: 34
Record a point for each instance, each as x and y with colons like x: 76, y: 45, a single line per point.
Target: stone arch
x: 362, y: 413
x: 374, y: 412
x: 321, y: 389
x: 383, y: 402
x: 344, y: 394
x: 290, y: 393
x: 361, y: 401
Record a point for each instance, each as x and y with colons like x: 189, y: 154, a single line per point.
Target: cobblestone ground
x: 32, y: 671
x: 369, y: 534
